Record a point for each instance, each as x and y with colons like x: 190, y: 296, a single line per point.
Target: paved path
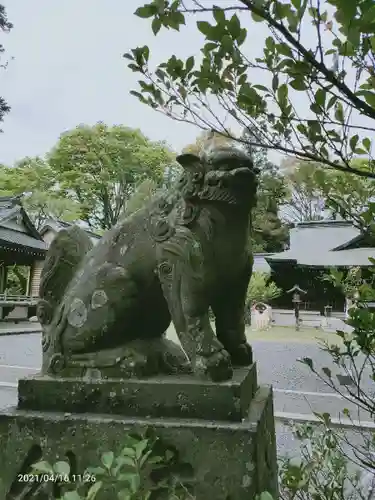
x: 10, y: 328
x: 297, y: 391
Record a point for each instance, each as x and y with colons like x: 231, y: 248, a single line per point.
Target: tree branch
x: 329, y: 75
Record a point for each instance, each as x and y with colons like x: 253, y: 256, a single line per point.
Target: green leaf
x: 204, y: 27
x: 95, y: 471
x: 72, y: 495
x: 62, y: 467
x: 125, y: 460
x: 256, y: 18
x: 242, y: 36
x: 43, y: 467
x: 275, y: 82
x: 320, y: 97
x: 284, y: 49
x: 282, y: 93
x: 107, y: 459
x: 189, y: 65
x: 366, y: 143
x: 353, y: 142
x: 219, y: 15
x: 261, y: 87
x: 156, y: 25
x: 270, y: 43
x: 266, y: 496
x: 140, y: 448
x: 227, y: 43
x: 298, y: 84
x: 296, y: 3
x: 339, y: 113
x: 94, y: 490
x: 175, y: 20
x: 145, y: 11
x: 370, y: 98
x: 234, y: 27
x: 331, y: 102
x: 129, y: 452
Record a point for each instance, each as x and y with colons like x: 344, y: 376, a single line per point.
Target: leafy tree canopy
x: 270, y: 234
x: 34, y: 180
x: 99, y: 168
x: 306, y: 201
x: 335, y: 72
x: 317, y: 192
x: 5, y: 27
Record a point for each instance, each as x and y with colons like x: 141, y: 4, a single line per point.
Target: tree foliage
x: 335, y: 72
x: 269, y: 233
x: 306, y: 201
x: 348, y: 195
x: 317, y: 192
x: 99, y: 168
x: 34, y: 180
x: 5, y: 27
x: 261, y: 289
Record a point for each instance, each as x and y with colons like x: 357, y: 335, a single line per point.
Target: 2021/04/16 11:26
x: 56, y: 478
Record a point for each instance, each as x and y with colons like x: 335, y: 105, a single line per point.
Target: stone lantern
x: 296, y: 299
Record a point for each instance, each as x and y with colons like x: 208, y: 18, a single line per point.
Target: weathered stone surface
x: 173, y: 260
x: 173, y: 397
x: 229, y: 460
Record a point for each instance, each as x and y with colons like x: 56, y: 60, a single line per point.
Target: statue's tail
x: 63, y: 258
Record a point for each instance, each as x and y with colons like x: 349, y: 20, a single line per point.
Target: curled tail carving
x: 63, y: 258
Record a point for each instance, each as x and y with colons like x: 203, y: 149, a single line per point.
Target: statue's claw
x: 242, y: 355
x: 218, y: 366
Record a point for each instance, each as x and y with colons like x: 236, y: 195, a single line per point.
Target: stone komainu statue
x: 104, y: 310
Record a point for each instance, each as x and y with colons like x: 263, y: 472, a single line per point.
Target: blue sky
x: 68, y: 69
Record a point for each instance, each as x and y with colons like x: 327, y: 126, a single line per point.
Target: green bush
x: 323, y: 471
x: 261, y: 289
x: 144, y: 469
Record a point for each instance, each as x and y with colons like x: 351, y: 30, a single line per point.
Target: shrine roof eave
x: 358, y: 257
x: 8, y: 249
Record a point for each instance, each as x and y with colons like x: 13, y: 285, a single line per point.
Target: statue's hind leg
x: 113, y: 336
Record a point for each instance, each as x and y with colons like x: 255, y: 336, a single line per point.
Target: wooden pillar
x: 3, y: 277
x: 34, y: 279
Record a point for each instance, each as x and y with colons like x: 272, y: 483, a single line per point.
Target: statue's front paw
x: 242, y: 355
x: 218, y: 366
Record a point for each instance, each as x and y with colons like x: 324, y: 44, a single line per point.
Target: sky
x: 68, y: 69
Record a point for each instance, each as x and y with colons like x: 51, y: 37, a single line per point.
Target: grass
x: 279, y: 334
x: 289, y: 334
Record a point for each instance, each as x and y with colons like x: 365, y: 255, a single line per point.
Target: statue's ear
x: 190, y: 162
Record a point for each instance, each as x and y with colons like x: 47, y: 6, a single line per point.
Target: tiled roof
x: 10, y: 209
x: 341, y: 258
x: 57, y: 225
x: 318, y: 244
x: 8, y: 236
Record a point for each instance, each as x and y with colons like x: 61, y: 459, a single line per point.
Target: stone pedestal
x: 225, y: 431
